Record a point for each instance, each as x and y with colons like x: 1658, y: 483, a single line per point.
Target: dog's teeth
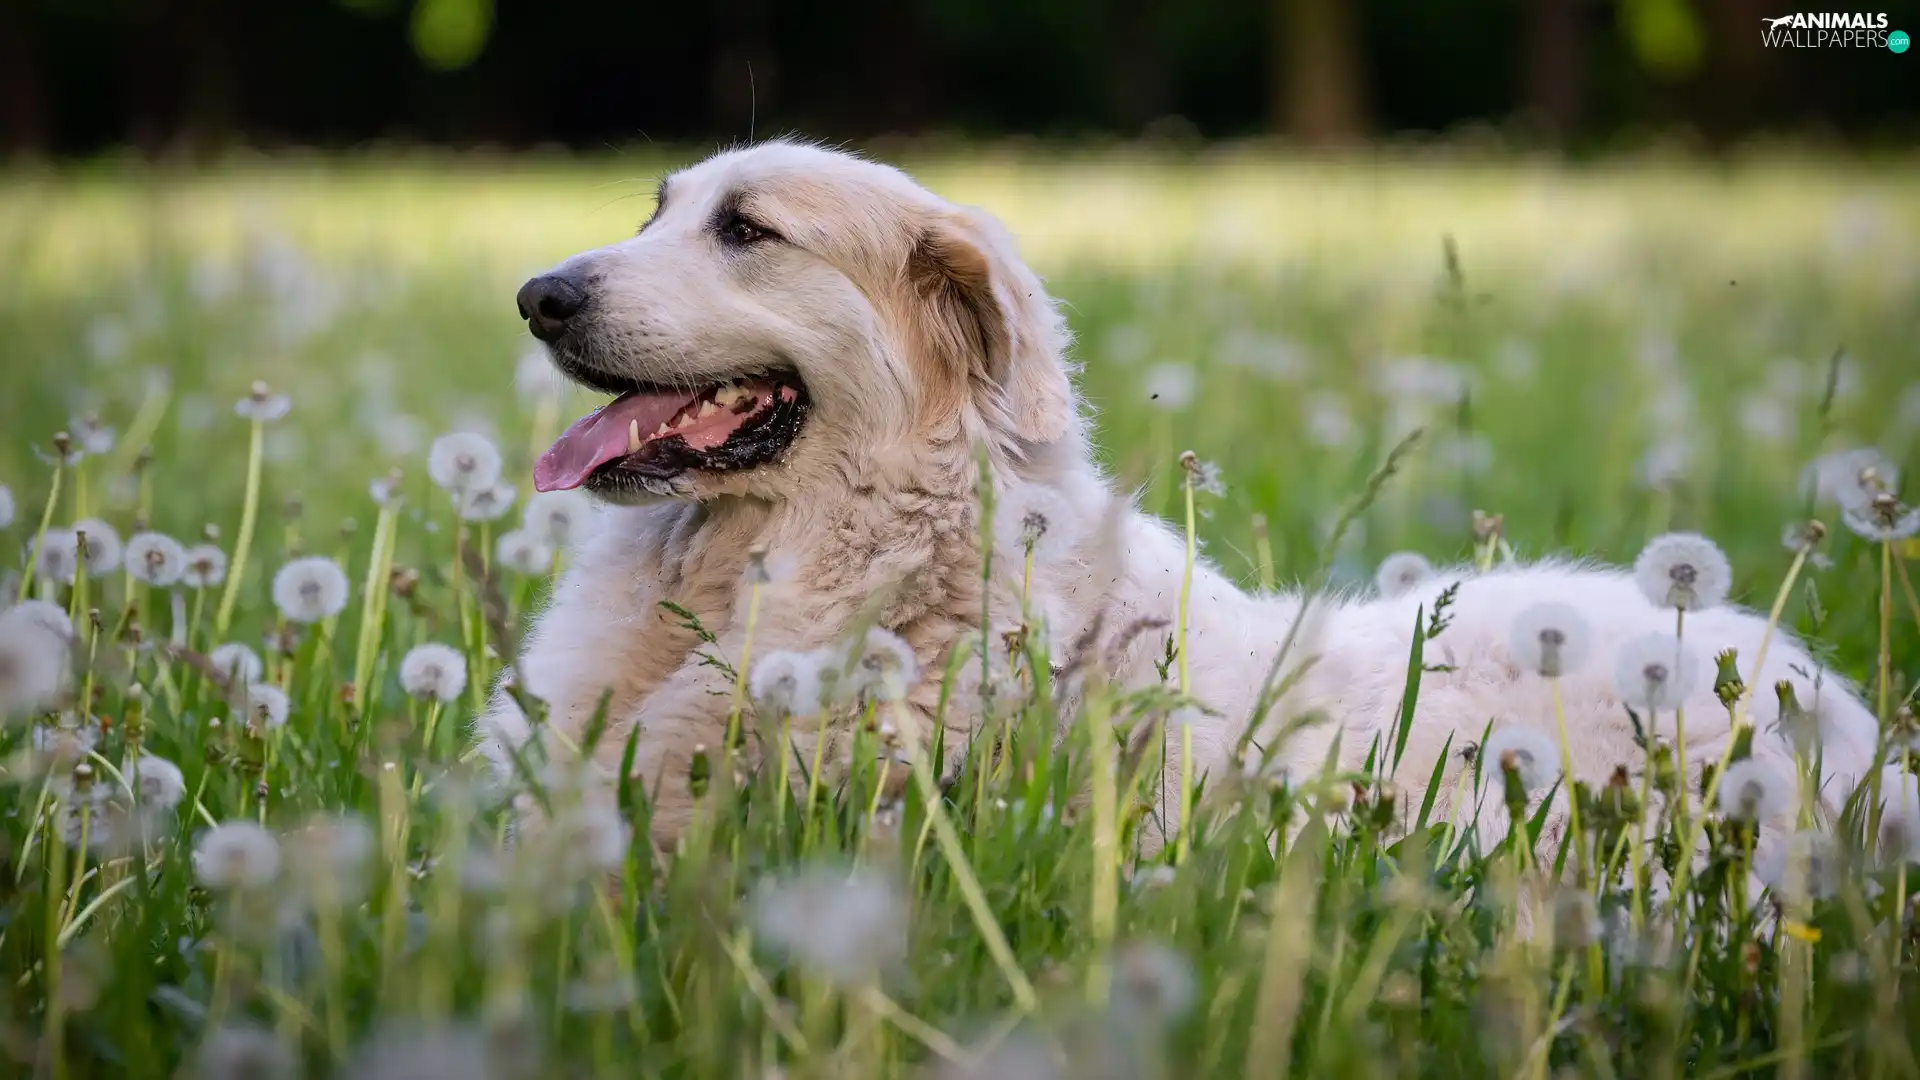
x: 726, y: 395
x: 633, y: 436
x: 707, y: 408
x: 663, y: 428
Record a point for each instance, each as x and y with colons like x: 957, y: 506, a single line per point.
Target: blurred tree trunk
x: 1555, y: 66
x: 1319, y: 91
x: 22, y: 107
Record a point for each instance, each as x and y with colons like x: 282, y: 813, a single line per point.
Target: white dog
x: 806, y: 349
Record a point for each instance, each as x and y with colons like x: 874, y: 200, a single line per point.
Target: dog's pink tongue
x: 600, y: 437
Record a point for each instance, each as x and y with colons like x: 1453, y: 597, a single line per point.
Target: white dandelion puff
x: 1036, y: 517
x: 156, y: 559
x: 206, y: 567
x: 1754, y: 792
x: 1170, y: 386
x: 310, y: 589
x: 1154, y: 982
x: 266, y: 707
x: 534, y: 375
x: 434, y: 670
x: 239, y: 664
x: 244, y: 1053
x: 524, y: 553
x: 556, y: 517
x: 56, y: 556
x: 1532, y: 753
x: 463, y: 461
x: 786, y: 683
x: 66, y: 742
x: 846, y: 927
x: 7, y: 510
x: 91, y: 435
x: 157, y: 782
x: 1329, y: 424
x: 1883, y: 521
x: 262, y: 405
x: 33, y: 666
x: 1551, y: 638
x: 383, y: 490
x: 1805, y: 867
x: 1655, y: 672
x: 327, y: 858
x: 1401, y: 573
x: 1849, y: 478
x: 879, y: 667
x: 102, y: 546
x: 236, y: 855
x: 49, y: 617
x: 1684, y: 571
x: 438, y: 1052
x: 485, y: 504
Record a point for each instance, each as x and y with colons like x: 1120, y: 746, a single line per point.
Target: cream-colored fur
x: 919, y: 333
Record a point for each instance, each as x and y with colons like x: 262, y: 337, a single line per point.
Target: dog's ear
x: 992, y: 326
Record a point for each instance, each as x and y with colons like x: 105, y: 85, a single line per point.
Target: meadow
x: 301, y: 871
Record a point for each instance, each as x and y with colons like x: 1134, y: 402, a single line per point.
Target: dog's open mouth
x: 654, y: 433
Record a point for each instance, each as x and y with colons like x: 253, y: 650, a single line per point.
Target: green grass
x: 1601, y: 320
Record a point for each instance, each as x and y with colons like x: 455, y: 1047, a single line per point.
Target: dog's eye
x: 739, y: 230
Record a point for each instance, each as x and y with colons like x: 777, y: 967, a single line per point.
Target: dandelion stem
x: 243, y: 544
x: 738, y: 704
x: 1884, y: 712
x: 40, y: 534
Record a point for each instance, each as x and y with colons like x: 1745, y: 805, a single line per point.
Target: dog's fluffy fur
x: 920, y: 333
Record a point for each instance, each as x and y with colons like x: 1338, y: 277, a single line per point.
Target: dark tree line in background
x: 80, y: 76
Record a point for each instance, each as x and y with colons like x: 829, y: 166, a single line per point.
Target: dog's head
x: 784, y: 312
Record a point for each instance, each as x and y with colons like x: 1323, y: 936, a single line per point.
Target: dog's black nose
x: 547, y: 302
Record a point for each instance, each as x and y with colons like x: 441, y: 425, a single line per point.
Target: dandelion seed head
x: 90, y: 434
x: 1533, y: 754
x: 240, y: 664
x: 1655, y: 672
x: 1754, y: 792
x: 879, y: 667
x: 7, y: 509
x: 522, y: 552
x: 101, y: 544
x: 1666, y: 463
x: 266, y: 707
x: 66, y: 743
x: 157, y: 782
x: 236, y: 855
x: 1401, y: 573
x: 310, y: 589
x: 440, y: 1052
x: 463, y: 461
x: 489, y: 503
x: 328, y: 859
x: 206, y: 567
x: 262, y: 405
x: 384, y: 490
x: 1551, y: 638
x: 49, y: 617
x: 56, y: 556
x: 1805, y: 867
x: 156, y: 559
x: 244, y: 1053
x: 1170, y: 386
x: 557, y: 517
x: 1154, y: 981
x: 33, y: 665
x: 847, y: 927
x: 1883, y: 520
x: 1034, y: 517
x: 1329, y: 424
x: 787, y: 683
x: 1849, y: 478
x: 1683, y: 571
x: 434, y: 670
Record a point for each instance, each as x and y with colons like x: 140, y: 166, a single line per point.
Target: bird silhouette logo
x: 1774, y: 24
